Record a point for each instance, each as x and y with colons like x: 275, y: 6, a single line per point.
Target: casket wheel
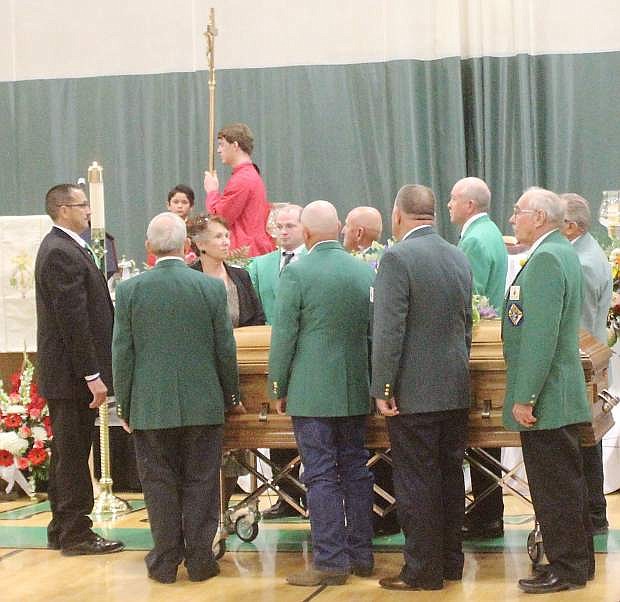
x: 219, y: 548
x: 246, y: 528
x: 535, y: 548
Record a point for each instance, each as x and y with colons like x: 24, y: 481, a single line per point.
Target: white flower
x: 39, y: 433
x: 13, y: 443
x: 14, y: 409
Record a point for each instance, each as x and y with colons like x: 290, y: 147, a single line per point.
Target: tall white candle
x: 95, y: 192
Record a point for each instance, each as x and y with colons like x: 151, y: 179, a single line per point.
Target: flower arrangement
x: 482, y: 309
x: 614, y: 260
x: 25, y: 432
x: 372, y: 255
x: 613, y: 317
x: 239, y: 257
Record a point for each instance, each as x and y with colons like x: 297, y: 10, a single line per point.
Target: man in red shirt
x: 243, y: 204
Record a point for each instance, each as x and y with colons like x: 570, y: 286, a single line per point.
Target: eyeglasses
x: 74, y: 205
x: 516, y: 210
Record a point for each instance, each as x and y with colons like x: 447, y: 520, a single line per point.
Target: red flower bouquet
x: 25, y: 432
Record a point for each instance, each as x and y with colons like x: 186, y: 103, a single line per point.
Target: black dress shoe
x: 99, y: 545
x: 483, y: 530
x: 547, y: 583
x: 204, y: 572
x: 542, y: 569
x: 279, y: 510
x: 396, y: 583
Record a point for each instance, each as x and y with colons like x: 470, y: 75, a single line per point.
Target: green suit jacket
x: 173, y: 351
x: 319, y: 346
x: 540, y: 331
x: 265, y: 274
x: 484, y: 247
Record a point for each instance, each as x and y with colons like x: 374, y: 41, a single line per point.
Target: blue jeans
x: 339, y: 490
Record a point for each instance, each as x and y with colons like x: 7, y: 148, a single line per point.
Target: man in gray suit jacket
x: 420, y: 379
x: 597, y: 288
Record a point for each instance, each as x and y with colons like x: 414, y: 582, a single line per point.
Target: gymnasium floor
x: 256, y: 571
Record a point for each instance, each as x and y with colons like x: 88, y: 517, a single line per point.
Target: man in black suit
x: 74, y: 342
x: 420, y: 380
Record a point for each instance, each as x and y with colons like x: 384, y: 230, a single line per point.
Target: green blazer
x: 319, y: 346
x: 265, y: 275
x: 484, y: 247
x: 540, y: 331
x: 173, y: 352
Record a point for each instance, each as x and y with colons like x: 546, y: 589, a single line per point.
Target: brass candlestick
x: 106, y: 505
x: 210, y: 35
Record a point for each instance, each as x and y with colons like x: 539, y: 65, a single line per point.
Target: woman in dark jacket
x: 210, y: 236
x: 211, y: 239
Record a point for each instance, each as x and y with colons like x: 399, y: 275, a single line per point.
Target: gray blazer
x: 422, y: 325
x: 596, y: 286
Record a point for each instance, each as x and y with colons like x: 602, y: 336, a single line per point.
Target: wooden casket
x: 262, y: 427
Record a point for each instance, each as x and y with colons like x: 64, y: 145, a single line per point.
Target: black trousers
x: 491, y: 508
x: 427, y: 454
x: 554, y: 466
x: 179, y: 470
x: 70, y: 491
x: 593, y: 471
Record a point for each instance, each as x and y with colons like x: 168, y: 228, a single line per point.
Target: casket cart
x: 261, y: 427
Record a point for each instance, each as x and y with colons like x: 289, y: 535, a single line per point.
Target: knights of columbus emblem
x: 515, y: 314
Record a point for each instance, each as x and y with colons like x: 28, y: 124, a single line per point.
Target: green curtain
x: 351, y: 134
x: 547, y: 120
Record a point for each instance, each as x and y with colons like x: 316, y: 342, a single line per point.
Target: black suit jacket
x: 74, y: 319
x: 250, y: 309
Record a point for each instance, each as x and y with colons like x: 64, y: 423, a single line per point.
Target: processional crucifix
x: 210, y: 35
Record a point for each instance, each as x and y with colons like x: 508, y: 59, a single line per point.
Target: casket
x: 262, y: 427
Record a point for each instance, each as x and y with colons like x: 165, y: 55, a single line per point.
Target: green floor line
x: 25, y: 511
x: 288, y: 540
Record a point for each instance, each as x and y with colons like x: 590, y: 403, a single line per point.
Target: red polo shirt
x: 243, y: 204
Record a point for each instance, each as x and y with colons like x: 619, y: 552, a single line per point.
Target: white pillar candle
x: 95, y: 192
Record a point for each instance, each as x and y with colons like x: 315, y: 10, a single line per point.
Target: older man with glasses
x: 546, y: 393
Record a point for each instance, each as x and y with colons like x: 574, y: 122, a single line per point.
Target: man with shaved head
x: 420, y: 380
x: 482, y: 243
x: 318, y: 373
x: 362, y: 227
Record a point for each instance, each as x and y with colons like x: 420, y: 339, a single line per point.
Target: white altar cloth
x: 20, y: 237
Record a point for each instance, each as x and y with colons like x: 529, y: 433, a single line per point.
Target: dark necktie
x: 288, y: 255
